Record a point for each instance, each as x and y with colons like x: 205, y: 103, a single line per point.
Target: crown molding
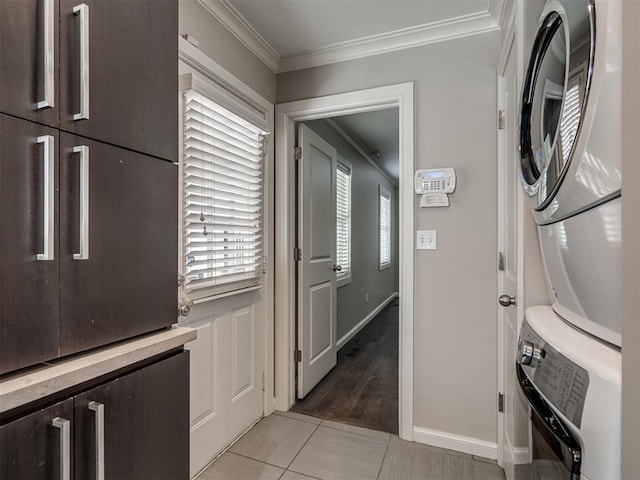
x: 226, y: 14
x: 434, y: 32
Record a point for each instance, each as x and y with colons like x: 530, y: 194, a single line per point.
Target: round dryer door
x: 554, y: 95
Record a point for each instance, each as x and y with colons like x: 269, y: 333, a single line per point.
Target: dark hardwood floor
x: 362, y: 389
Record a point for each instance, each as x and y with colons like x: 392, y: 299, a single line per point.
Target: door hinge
x: 501, y: 261
x: 297, y: 355
x: 502, y: 119
x: 297, y: 153
x: 264, y: 264
x: 264, y: 382
x: 500, y: 402
x: 297, y: 254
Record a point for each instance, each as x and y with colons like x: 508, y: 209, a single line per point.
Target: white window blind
x: 223, y: 159
x: 385, y: 227
x: 343, y: 221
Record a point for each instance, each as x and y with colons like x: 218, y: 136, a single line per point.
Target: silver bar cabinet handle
x: 65, y: 446
x: 83, y: 150
x: 98, y: 408
x: 49, y: 52
x: 83, y: 11
x: 49, y: 191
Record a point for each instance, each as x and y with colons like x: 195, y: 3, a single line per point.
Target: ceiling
x: 376, y: 134
x: 293, y: 34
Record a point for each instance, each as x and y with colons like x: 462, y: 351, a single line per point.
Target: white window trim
x: 346, y: 280
x: 383, y: 192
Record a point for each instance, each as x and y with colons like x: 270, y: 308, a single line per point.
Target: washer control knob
x: 529, y: 354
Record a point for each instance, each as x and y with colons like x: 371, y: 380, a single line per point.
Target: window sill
x: 343, y: 282
x: 384, y: 267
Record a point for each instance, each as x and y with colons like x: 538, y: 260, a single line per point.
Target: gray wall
x: 455, y: 342
x: 630, y: 240
x: 220, y: 45
x: 366, y: 278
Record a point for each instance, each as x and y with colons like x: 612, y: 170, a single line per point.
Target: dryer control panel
x: 560, y: 380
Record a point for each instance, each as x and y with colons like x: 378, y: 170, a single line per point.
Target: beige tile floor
x: 290, y: 446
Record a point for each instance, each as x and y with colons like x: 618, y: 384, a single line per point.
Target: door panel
x: 317, y: 309
x: 127, y: 285
x: 128, y: 87
x: 23, y: 59
x: 146, y: 433
x: 28, y: 286
x: 30, y: 446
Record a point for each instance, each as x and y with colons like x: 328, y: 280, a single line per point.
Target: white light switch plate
x: 427, y: 240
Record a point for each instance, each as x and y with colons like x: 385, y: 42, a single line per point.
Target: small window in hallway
x: 384, y: 211
x: 343, y: 223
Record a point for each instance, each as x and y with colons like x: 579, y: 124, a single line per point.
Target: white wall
x: 455, y: 286
x: 366, y: 278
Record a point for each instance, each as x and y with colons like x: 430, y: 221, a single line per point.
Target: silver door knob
x: 184, y: 310
x: 506, y: 300
x: 337, y: 268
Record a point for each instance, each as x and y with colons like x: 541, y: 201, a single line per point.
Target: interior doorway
x: 347, y: 270
x: 287, y: 115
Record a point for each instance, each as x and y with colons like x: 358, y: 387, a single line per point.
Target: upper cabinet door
x: 29, y: 260
x: 119, y: 73
x: 118, y: 243
x: 29, y: 58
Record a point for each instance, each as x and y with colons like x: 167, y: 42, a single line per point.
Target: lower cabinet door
x: 118, y: 243
x: 144, y: 431
x: 35, y: 446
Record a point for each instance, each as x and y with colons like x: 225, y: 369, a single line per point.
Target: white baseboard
x: 520, y: 455
x: 459, y: 443
x: 362, y: 323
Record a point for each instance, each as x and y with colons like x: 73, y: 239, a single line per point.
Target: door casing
x: 287, y: 114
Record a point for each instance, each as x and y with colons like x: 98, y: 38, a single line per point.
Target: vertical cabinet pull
x: 83, y: 254
x: 83, y: 11
x: 48, y: 194
x: 49, y: 52
x: 65, y: 446
x: 98, y: 408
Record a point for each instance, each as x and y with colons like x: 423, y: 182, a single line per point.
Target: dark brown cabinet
x: 28, y: 278
x: 88, y: 184
x: 103, y: 69
x: 132, y: 77
x: 118, y: 249
x: 109, y: 272
x: 140, y: 423
x: 29, y: 54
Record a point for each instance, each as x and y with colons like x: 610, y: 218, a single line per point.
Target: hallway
x: 362, y: 389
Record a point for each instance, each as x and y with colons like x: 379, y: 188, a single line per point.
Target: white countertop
x: 51, y: 377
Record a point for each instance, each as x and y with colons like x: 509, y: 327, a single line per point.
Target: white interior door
x: 317, y: 308
x: 507, y: 275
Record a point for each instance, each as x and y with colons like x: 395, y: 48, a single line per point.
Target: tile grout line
x: 303, y: 445
x: 383, y: 457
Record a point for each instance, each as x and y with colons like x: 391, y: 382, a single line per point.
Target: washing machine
x: 570, y: 159
x: 571, y: 385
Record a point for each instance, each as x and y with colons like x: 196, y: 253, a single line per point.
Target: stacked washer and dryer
x: 569, y: 361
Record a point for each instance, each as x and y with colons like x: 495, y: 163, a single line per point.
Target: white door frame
x: 287, y: 114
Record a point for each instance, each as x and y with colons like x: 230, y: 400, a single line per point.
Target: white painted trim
x: 351, y: 139
x: 459, y: 443
x: 520, y: 455
x: 391, y: 41
x: 362, y: 323
x: 200, y: 62
x: 228, y: 16
x: 234, y: 21
x: 394, y: 96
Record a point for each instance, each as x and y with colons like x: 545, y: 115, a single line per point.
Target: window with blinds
x: 384, y: 209
x: 343, y: 223
x: 223, y: 157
